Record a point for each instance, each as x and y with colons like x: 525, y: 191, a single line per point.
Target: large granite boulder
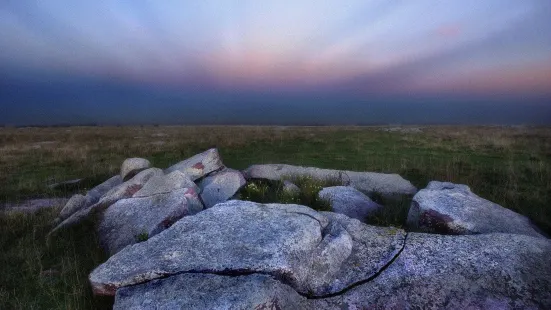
x: 449, y: 208
x: 161, y: 183
x: 199, y: 165
x: 349, y: 201
x: 220, y: 186
x: 387, y: 185
x: 209, y: 291
x: 131, y: 166
x: 293, y: 243
x: 124, y: 190
x: 129, y: 220
x: 492, y: 271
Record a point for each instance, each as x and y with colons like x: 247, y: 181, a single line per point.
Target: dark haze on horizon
x: 336, y: 62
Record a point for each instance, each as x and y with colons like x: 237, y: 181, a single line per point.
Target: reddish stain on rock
x: 132, y: 189
x: 437, y: 222
x: 199, y: 166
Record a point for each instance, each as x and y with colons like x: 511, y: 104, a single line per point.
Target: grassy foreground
x: 510, y: 166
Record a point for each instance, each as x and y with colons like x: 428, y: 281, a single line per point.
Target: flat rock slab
x: 33, y: 205
x: 232, y: 237
x: 349, y: 201
x: 199, y: 165
x: 161, y: 183
x: 449, y: 208
x: 131, y: 166
x: 208, y: 291
x: 220, y: 186
x: 129, y: 220
x: 388, y: 185
x: 293, y: 243
x: 493, y: 271
x: 67, y: 185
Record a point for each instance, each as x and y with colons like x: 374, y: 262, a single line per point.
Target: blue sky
x: 61, y: 55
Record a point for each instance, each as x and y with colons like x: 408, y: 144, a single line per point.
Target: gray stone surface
x: 209, y: 291
x: 290, y: 188
x: 199, y: 165
x: 349, y: 201
x: 74, y: 204
x: 232, y: 237
x: 66, y: 185
x: 94, y: 195
x: 492, y: 271
x: 131, y: 166
x: 220, y: 186
x: 162, y: 183
x: 293, y: 243
x: 388, y: 185
x: 128, y: 220
x: 33, y: 205
x: 124, y: 190
x: 453, y: 209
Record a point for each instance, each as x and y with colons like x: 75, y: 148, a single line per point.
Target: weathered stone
x: 290, y: 188
x: 388, y: 185
x: 160, y: 184
x: 33, y: 205
x: 492, y: 271
x: 293, y: 243
x: 74, y: 204
x: 373, y: 248
x: 220, y: 186
x: 129, y: 220
x: 94, y: 195
x: 209, y: 291
x: 349, y: 201
x: 131, y: 166
x: 124, y: 190
x: 66, y: 185
x: 453, y: 209
x: 199, y: 165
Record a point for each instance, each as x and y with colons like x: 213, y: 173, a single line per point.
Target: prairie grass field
x: 510, y: 166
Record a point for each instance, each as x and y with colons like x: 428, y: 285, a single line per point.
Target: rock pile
x: 177, y: 240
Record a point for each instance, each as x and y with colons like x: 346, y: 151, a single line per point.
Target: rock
x: 66, y: 185
x: 129, y: 220
x: 290, y: 188
x: 449, y: 208
x: 373, y: 248
x: 162, y: 183
x: 94, y: 195
x: 33, y: 205
x: 131, y: 166
x: 124, y: 190
x: 199, y: 165
x: 216, y: 292
x: 387, y: 185
x: 293, y: 243
x: 74, y: 204
x: 349, y: 201
x: 492, y: 271
x: 220, y: 186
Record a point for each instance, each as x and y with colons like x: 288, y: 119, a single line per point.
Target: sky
x: 275, y: 62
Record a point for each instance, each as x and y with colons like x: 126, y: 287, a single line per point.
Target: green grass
x: 510, y: 166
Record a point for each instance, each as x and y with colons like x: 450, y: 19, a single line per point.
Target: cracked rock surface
x: 493, y: 271
x: 295, y: 244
